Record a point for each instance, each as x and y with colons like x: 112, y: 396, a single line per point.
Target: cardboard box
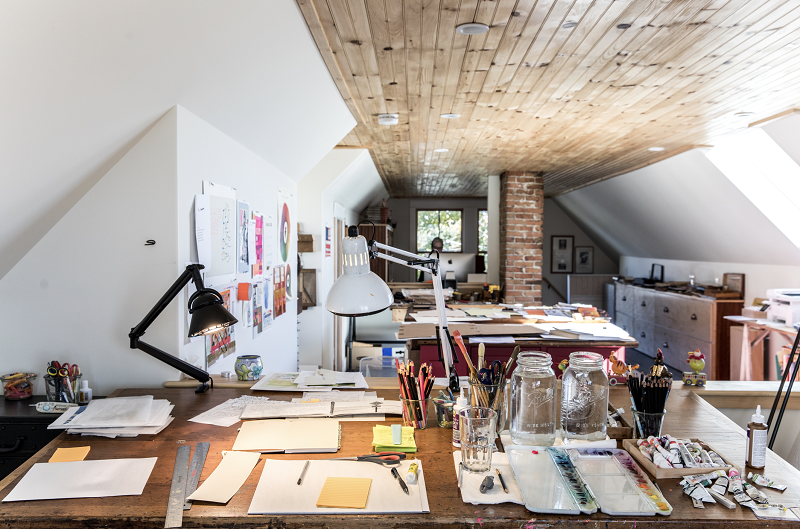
x: 754, y: 312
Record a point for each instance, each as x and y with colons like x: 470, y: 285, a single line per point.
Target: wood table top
x: 687, y: 416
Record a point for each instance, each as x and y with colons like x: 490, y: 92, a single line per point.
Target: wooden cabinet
x: 677, y: 324
x: 384, y: 234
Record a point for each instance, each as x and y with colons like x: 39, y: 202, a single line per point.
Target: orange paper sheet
x: 349, y: 493
x: 62, y: 455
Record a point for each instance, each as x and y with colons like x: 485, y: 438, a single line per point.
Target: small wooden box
x: 306, y: 243
x: 672, y: 473
x: 623, y: 431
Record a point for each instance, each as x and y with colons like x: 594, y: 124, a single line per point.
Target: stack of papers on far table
x: 117, y: 417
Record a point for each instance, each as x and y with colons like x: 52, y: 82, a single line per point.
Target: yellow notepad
x: 349, y: 493
x: 69, y: 454
x: 382, y: 439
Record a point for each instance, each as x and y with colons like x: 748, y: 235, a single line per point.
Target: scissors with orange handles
x: 380, y: 458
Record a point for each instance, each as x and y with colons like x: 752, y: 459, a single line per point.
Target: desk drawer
x: 687, y: 316
x: 624, y: 322
x: 24, y: 439
x: 676, y: 347
x: 624, y: 299
x: 644, y: 333
x: 643, y: 304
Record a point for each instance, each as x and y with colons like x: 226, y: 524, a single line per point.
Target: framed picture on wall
x: 584, y: 259
x: 561, y: 254
x: 734, y: 282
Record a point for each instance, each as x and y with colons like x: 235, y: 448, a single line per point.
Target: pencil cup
x: 492, y: 396
x: 62, y: 389
x: 647, y: 424
x: 478, y: 429
x: 444, y: 412
x: 415, y: 412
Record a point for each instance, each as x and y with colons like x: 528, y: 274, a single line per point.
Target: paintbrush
x: 481, y: 356
x: 511, y: 361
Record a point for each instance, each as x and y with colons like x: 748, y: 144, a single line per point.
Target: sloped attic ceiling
x: 684, y: 208
x: 83, y: 81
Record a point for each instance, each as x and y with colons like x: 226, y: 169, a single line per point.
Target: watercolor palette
x: 575, y: 481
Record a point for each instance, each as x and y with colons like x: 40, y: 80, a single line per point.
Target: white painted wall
x: 205, y: 153
x: 83, y: 81
x: 557, y: 222
x: 493, y: 210
x: 81, y: 288
x: 340, y: 186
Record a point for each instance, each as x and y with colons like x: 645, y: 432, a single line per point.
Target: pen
x: 303, y: 474
x: 460, y: 473
x: 503, y: 483
x: 398, y: 478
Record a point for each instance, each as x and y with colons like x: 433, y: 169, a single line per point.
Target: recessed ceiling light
x: 472, y: 28
x: 387, y: 119
x: 450, y: 116
x: 441, y: 150
x: 656, y: 149
x: 744, y: 114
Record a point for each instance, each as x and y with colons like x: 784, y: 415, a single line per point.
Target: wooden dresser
x: 677, y: 324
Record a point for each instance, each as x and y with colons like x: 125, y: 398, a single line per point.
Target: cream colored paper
x: 290, y: 436
x: 344, y: 493
x: 62, y: 455
x: 227, y: 478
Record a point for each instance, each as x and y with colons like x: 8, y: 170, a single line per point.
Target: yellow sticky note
x: 383, y: 442
x: 348, y: 493
x: 62, y: 455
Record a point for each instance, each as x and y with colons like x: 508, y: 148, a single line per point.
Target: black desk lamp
x: 208, y: 316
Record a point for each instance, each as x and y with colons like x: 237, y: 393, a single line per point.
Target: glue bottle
x: 461, y: 403
x: 85, y: 393
x: 756, y: 448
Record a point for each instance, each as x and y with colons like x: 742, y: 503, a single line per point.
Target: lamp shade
x: 209, y: 315
x: 358, y: 291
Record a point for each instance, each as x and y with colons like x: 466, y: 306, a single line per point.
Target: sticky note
x: 349, y: 493
x: 62, y: 455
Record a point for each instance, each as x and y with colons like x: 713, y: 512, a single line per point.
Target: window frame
x: 416, y: 227
x: 478, y: 231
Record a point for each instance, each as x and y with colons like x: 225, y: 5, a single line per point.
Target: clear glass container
x: 584, y: 398
x: 533, y: 400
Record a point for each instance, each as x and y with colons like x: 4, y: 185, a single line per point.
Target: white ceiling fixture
x: 472, y: 28
x: 656, y: 149
x: 388, y: 119
x: 450, y: 116
x: 441, y: 150
x: 744, y: 114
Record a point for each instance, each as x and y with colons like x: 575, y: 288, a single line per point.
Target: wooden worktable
x: 688, y: 416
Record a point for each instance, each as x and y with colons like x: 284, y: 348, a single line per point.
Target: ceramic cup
x: 248, y: 367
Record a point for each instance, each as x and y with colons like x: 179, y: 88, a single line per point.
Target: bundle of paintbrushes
x: 415, y: 390
x: 649, y: 392
x: 487, y: 383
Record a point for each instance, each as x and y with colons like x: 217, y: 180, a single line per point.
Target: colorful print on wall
x: 223, y: 343
x: 258, y: 266
x: 243, y: 248
x: 285, y: 216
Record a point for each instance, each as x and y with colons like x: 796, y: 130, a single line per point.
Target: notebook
x: 292, y: 436
x: 344, y: 493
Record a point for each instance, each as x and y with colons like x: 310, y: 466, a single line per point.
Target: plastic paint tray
x: 539, y: 481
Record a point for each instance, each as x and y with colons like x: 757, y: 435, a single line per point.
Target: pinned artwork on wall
x: 327, y: 241
x: 243, y: 248
x: 268, y: 243
x: 215, y: 215
x: 285, y: 216
x: 584, y: 259
x: 561, y: 254
x: 279, y: 277
x: 267, y: 311
x: 258, y: 264
x: 257, y: 300
x: 223, y: 343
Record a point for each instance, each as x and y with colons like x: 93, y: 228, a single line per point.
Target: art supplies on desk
x: 470, y: 482
x: 669, y: 458
x: 575, y: 481
x: 277, y: 409
x: 415, y: 392
x: 227, y: 478
x: 83, y: 479
x: 292, y: 436
x: 382, y: 439
x: 277, y: 492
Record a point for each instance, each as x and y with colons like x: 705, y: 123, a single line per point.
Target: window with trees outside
x: 445, y: 224
x: 483, y: 231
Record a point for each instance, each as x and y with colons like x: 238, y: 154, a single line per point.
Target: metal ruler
x: 195, y: 469
x: 177, y: 491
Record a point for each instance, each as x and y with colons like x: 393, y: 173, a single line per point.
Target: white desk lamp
x: 359, y: 292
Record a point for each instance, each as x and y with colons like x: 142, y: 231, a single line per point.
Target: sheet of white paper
x: 269, y: 241
x: 202, y: 227
x: 355, y: 378
x: 739, y: 318
x: 491, y: 339
x: 339, y: 396
x: 290, y: 436
x: 122, y: 411
x: 83, y: 479
x: 282, y: 382
x: 278, y: 492
x: 279, y: 409
x: 227, y: 478
x: 103, y: 418
x: 434, y: 319
x: 132, y: 431
x: 227, y: 413
x: 471, y: 482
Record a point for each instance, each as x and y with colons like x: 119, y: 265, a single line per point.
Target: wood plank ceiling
x: 578, y: 89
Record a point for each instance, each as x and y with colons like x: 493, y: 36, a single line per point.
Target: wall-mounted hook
x: 149, y: 242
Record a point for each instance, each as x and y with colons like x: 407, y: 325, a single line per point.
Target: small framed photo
x: 734, y: 282
x: 584, y: 259
x: 561, y: 254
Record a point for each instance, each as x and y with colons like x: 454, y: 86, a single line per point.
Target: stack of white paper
x: 117, y: 417
x: 227, y: 413
x: 278, y: 409
x: 325, y: 378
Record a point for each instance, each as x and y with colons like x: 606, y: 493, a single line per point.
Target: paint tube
x: 664, y: 454
x: 721, y: 485
x: 735, y: 485
x: 673, y: 448
x: 688, y: 460
x: 660, y: 461
x: 717, y: 459
x: 699, y: 492
x: 705, y: 459
x: 645, y: 448
x: 721, y: 499
x: 741, y: 497
x: 755, y: 494
x: 759, y: 479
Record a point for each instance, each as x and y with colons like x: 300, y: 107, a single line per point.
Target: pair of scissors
x: 380, y: 458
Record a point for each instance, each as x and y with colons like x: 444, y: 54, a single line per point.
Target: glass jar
x: 533, y: 400
x: 584, y: 398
